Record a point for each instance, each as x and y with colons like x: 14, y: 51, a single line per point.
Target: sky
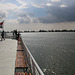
x: 37, y: 14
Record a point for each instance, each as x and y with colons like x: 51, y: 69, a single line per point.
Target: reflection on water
x: 54, y: 52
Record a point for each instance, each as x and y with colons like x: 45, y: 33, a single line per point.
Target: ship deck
x: 15, y: 59
x: 7, y: 56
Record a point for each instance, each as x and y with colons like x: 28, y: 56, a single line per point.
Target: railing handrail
x: 38, y: 68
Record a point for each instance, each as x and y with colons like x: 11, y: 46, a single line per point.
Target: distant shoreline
x: 42, y: 31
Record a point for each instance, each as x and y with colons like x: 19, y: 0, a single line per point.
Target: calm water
x: 54, y: 52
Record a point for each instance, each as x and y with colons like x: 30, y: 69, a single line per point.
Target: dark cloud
x: 59, y: 14
x: 68, y: 2
x: 44, y: 12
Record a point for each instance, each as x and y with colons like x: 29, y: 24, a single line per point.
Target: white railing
x: 7, y: 35
x: 32, y: 63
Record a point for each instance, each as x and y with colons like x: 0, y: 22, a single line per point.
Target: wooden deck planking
x: 19, y: 47
x: 23, y: 73
x: 21, y: 60
x: 20, y: 54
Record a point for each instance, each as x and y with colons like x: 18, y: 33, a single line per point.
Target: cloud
x: 26, y: 17
x: 43, y: 3
x: 63, y: 5
x: 37, y: 6
x: 48, y: 19
x: 21, y: 2
x: 35, y: 11
x: 2, y: 0
x: 55, y: 0
x: 2, y: 14
x: 35, y: 20
x: 58, y: 14
x: 35, y: 3
x: 11, y: 7
x: 24, y: 13
x: 8, y: 7
x: 49, y: 4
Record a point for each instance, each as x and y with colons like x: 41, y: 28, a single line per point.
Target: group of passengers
x: 16, y: 35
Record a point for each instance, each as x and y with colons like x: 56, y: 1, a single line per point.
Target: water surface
x: 54, y: 51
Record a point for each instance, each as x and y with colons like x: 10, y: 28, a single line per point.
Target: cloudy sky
x: 39, y: 14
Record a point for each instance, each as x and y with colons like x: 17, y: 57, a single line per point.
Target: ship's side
x: 25, y: 64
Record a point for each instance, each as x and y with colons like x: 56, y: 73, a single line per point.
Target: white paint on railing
x: 38, y: 70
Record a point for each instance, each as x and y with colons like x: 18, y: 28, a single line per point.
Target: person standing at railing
x: 2, y: 35
x: 15, y: 33
x: 18, y: 35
